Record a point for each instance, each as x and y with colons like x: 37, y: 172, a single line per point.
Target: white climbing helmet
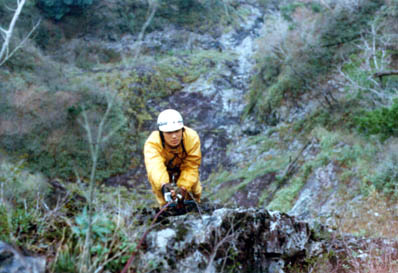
x: 170, y: 120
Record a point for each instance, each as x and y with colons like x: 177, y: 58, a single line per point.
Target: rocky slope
x: 293, y: 159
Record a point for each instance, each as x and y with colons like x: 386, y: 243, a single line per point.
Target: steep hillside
x: 294, y: 101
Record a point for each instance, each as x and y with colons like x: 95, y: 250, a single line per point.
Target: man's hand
x: 171, y: 194
x: 167, y: 187
x: 182, y: 193
x: 168, y: 192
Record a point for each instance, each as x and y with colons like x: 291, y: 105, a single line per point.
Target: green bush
x: 19, y: 186
x: 56, y: 9
x: 386, y: 177
x: 107, y: 238
x: 382, y: 121
x: 347, y: 26
x: 18, y: 226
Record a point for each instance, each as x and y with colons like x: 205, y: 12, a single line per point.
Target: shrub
x: 303, y: 54
x: 19, y: 186
x: 110, y: 244
x: 386, y: 177
x: 382, y: 121
x: 16, y: 225
x: 56, y: 9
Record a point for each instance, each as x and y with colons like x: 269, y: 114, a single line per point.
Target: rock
x: 245, y: 240
x: 12, y: 261
x: 256, y: 240
x: 319, y: 196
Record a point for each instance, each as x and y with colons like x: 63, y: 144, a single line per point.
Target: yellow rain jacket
x: 160, y: 159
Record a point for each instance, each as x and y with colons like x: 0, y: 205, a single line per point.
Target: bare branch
x: 154, y: 6
x: 385, y: 73
x: 22, y: 42
x: 7, y: 34
x: 355, y: 85
x: 229, y: 236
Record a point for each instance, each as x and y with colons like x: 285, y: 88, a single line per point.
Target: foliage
x: 56, y: 9
x: 226, y: 183
x: 66, y: 260
x: 385, y: 179
x: 382, y: 121
x: 283, y: 199
x: 194, y: 15
x: 346, y: 25
x: 21, y: 195
x: 102, y: 227
x: 19, y: 186
x: 16, y: 225
x: 55, y: 143
x: 111, y: 247
x: 341, y: 147
x: 36, y: 225
x: 289, y: 9
x: 297, y: 63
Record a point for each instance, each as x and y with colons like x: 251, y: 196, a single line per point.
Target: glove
x: 168, y: 192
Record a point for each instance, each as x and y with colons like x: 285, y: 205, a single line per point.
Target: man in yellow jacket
x: 172, y: 156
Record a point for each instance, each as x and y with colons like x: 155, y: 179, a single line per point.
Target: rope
x: 131, y: 259
x: 196, y: 203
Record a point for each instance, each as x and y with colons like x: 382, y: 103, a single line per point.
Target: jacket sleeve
x: 154, y: 164
x: 190, y: 167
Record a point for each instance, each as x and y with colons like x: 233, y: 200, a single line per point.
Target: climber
x: 172, y: 159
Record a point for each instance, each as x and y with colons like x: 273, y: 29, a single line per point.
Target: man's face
x: 173, y: 139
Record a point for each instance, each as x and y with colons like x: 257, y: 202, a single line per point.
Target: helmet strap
x: 162, y: 138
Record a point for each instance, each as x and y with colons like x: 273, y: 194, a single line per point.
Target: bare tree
x: 6, y: 34
x: 375, y: 59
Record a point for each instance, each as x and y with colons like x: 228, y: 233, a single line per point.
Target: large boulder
x: 241, y: 240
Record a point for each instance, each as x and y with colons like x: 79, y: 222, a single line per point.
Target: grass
x: 267, y: 157
x: 57, y: 230
x: 284, y: 198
